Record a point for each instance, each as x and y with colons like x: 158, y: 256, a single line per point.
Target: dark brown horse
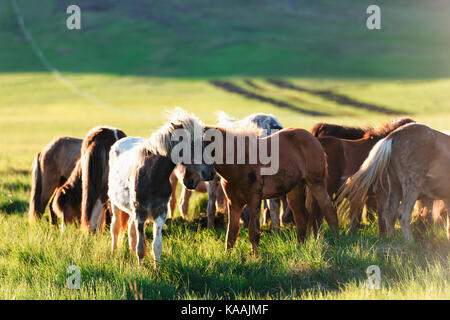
x: 300, y: 161
x: 94, y: 173
x: 344, y: 157
x: 51, y: 168
x: 337, y: 131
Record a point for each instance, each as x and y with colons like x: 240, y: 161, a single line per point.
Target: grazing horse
x: 51, y: 167
x: 94, y: 173
x: 300, y: 161
x: 139, y: 185
x: 66, y: 202
x: 411, y: 163
x: 344, y: 158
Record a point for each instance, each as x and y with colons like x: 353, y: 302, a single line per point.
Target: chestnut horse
x: 409, y: 164
x: 301, y: 161
x: 216, y: 198
x: 344, y: 158
x: 139, y: 185
x: 51, y: 168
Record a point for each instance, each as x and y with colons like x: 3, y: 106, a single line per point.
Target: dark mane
x: 382, y: 132
x: 337, y: 131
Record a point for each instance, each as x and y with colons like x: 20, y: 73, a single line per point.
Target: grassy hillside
x: 303, y: 61
x: 203, y: 38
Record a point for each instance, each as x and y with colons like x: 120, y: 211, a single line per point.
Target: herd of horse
x: 109, y: 179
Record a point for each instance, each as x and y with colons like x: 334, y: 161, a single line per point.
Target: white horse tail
x: 371, y: 174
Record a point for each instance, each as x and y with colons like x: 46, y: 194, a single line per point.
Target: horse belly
x: 276, y: 186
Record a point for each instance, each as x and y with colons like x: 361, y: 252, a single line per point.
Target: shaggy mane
x: 160, y: 141
x: 244, y: 126
x: 382, y: 132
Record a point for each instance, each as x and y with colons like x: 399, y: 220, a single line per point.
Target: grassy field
x: 138, y: 61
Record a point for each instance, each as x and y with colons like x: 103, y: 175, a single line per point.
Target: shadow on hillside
x: 198, y: 39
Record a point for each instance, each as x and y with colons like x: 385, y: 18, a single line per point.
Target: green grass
x: 140, y: 61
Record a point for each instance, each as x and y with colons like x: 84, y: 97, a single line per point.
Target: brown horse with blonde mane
x: 301, y: 161
x: 344, y: 158
x: 51, y: 168
x: 409, y: 164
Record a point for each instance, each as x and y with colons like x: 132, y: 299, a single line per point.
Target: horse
x: 66, y: 201
x: 267, y: 123
x: 215, y: 193
x: 344, y: 158
x: 407, y: 165
x: 139, y: 186
x: 51, y: 168
x: 299, y: 161
x: 94, y: 173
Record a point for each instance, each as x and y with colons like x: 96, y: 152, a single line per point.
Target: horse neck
x: 164, y: 167
x: 230, y: 170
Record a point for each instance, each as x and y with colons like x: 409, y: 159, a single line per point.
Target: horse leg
x: 140, y: 246
x: 274, y: 209
x: 389, y: 210
x: 157, y: 238
x: 381, y: 198
x: 234, y: 214
x: 173, y: 197
x: 265, y: 212
x: 319, y: 191
x: 211, y: 187
x: 296, y: 201
x: 115, y: 227
x: 254, y: 231
x: 409, y: 198
x: 245, y: 216
x: 132, y: 238
x: 314, y: 214
x: 286, y: 216
x: 184, y: 202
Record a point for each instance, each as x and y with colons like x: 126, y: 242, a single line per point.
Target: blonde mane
x: 160, y: 142
x: 237, y: 126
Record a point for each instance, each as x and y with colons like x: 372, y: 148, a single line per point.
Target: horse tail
x: 370, y: 174
x: 36, y: 189
x: 92, y: 177
x: 54, y: 213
